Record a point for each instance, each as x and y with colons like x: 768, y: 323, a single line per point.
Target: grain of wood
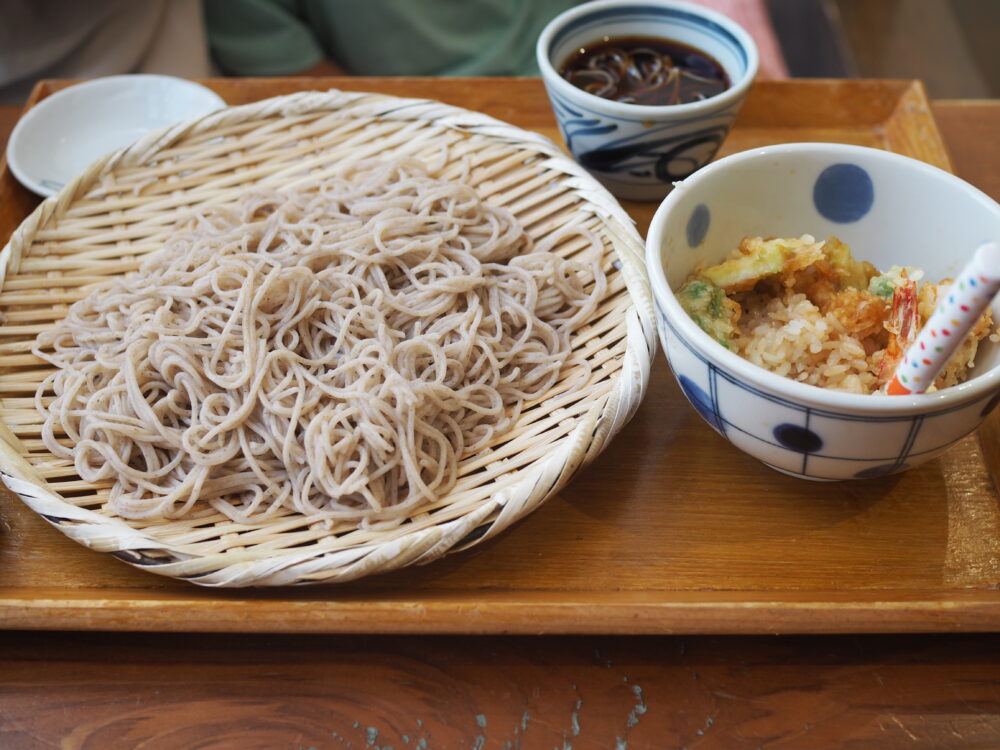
x: 669, y: 530
x: 233, y: 692
x: 105, y: 691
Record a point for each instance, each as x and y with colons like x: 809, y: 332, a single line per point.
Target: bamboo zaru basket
x: 125, y: 205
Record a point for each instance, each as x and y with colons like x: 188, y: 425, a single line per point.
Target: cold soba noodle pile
x: 333, y: 349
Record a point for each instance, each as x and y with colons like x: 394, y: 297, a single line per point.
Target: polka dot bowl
x: 889, y: 209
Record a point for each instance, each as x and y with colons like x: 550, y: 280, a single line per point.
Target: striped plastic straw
x: 956, y: 314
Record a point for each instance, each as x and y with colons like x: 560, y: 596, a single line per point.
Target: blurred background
x: 949, y: 44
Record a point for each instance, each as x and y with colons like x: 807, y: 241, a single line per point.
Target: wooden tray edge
x: 721, y: 617
x: 912, y: 129
x: 980, y: 614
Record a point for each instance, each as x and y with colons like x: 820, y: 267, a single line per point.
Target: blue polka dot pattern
x: 843, y: 193
x: 700, y: 401
x: 697, y: 226
x: 796, y: 438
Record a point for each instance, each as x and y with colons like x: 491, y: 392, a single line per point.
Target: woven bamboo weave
x: 125, y: 205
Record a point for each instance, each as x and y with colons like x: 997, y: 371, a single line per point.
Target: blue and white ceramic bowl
x: 889, y: 209
x: 636, y: 151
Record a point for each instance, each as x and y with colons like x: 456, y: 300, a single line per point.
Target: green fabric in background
x: 379, y: 37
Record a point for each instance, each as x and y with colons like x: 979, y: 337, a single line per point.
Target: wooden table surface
x: 111, y: 690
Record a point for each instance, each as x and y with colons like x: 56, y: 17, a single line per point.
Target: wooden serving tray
x: 671, y: 530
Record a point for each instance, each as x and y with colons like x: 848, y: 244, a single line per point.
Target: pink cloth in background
x: 752, y: 15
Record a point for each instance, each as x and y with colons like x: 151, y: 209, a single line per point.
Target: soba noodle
x: 333, y: 349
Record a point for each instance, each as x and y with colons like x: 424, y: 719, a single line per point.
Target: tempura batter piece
x: 861, y: 313
x: 755, y: 262
x: 817, y: 269
x: 711, y: 309
x: 798, y: 305
x: 853, y: 273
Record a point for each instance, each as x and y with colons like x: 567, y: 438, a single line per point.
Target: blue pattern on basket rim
x: 892, y: 462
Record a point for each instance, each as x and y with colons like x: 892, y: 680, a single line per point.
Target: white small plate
x: 64, y: 133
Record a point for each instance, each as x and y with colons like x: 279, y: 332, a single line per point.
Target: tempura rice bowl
x: 890, y: 210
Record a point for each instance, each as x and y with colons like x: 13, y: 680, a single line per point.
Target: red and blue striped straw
x: 956, y: 314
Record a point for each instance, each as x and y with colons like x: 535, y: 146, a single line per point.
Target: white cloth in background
x: 88, y: 38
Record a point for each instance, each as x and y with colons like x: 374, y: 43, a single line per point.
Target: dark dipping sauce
x: 645, y: 70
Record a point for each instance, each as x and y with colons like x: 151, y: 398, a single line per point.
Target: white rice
x: 792, y: 338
